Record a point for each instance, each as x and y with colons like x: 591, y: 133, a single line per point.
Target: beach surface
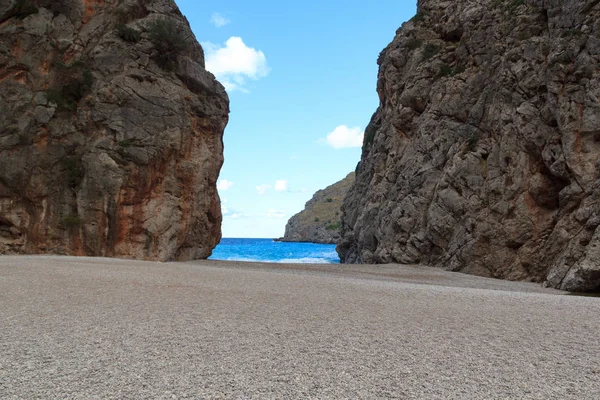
x: 95, y: 328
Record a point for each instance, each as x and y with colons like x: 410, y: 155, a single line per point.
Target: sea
x: 268, y: 250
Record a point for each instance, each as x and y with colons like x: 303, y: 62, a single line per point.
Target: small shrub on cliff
x: 168, y: 40
x: 70, y: 221
x: 413, y: 43
x: 128, y: 142
x: 333, y: 227
x: 329, y: 200
x: 76, y: 89
x: 445, y: 70
x: 471, y: 144
x: 128, y: 34
x: 572, y: 33
x: 122, y: 15
x: 459, y: 69
x: 380, y: 57
x: 516, y: 4
x: 125, y: 14
x: 72, y: 83
x: 75, y: 170
x: 24, y: 8
x: 429, y: 51
x: 55, y: 96
x: 419, y: 16
x: 369, y: 136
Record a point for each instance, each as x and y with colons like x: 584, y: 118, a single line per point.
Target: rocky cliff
x: 110, y: 131
x: 483, y: 156
x: 319, y: 222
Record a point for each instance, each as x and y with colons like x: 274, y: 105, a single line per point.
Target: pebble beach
x: 94, y: 328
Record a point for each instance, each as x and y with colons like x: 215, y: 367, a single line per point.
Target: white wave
x: 305, y: 260
x: 243, y: 259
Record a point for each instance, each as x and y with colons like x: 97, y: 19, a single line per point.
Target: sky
x: 301, y: 79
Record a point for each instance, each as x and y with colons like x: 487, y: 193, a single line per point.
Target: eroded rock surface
x: 108, y: 146
x: 484, y: 154
x: 319, y: 222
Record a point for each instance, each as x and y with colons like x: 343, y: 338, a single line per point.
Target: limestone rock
x: 108, y: 146
x: 484, y: 154
x: 319, y: 222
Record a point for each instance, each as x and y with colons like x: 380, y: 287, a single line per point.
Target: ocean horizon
x: 268, y: 250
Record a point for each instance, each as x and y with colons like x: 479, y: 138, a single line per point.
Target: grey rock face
x: 107, y: 146
x: 319, y: 222
x: 484, y: 154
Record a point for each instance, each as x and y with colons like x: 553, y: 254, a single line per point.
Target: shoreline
x: 284, y: 240
x: 416, y: 274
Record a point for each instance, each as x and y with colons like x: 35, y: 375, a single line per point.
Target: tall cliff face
x: 319, y: 222
x: 484, y: 154
x: 110, y: 131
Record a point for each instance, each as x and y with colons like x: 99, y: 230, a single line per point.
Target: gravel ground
x: 83, y: 328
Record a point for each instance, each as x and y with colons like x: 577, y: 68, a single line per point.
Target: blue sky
x: 301, y: 78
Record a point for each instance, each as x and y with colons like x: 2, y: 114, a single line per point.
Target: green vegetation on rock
x: 71, y: 84
x: 71, y: 221
x: 168, y: 40
x: 572, y: 33
x: 75, y: 170
x: 419, y: 16
x: 320, y: 221
x: 413, y: 43
x: 429, y: 51
x: 445, y: 70
x: 128, y: 34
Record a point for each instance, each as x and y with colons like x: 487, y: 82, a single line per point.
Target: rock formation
x: 484, y: 154
x: 319, y: 222
x: 110, y: 131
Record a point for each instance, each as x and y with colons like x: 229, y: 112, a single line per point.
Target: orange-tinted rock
x: 103, y: 150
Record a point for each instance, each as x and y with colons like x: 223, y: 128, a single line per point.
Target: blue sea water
x: 267, y: 250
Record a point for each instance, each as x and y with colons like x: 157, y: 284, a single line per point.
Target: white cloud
x: 281, y: 186
x: 218, y: 20
x: 231, y: 213
x: 273, y: 213
x: 235, y: 63
x: 262, y: 189
x: 224, y: 184
x: 344, y: 137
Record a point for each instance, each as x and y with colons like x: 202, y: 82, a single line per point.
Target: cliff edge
x: 110, y: 132
x: 484, y: 154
